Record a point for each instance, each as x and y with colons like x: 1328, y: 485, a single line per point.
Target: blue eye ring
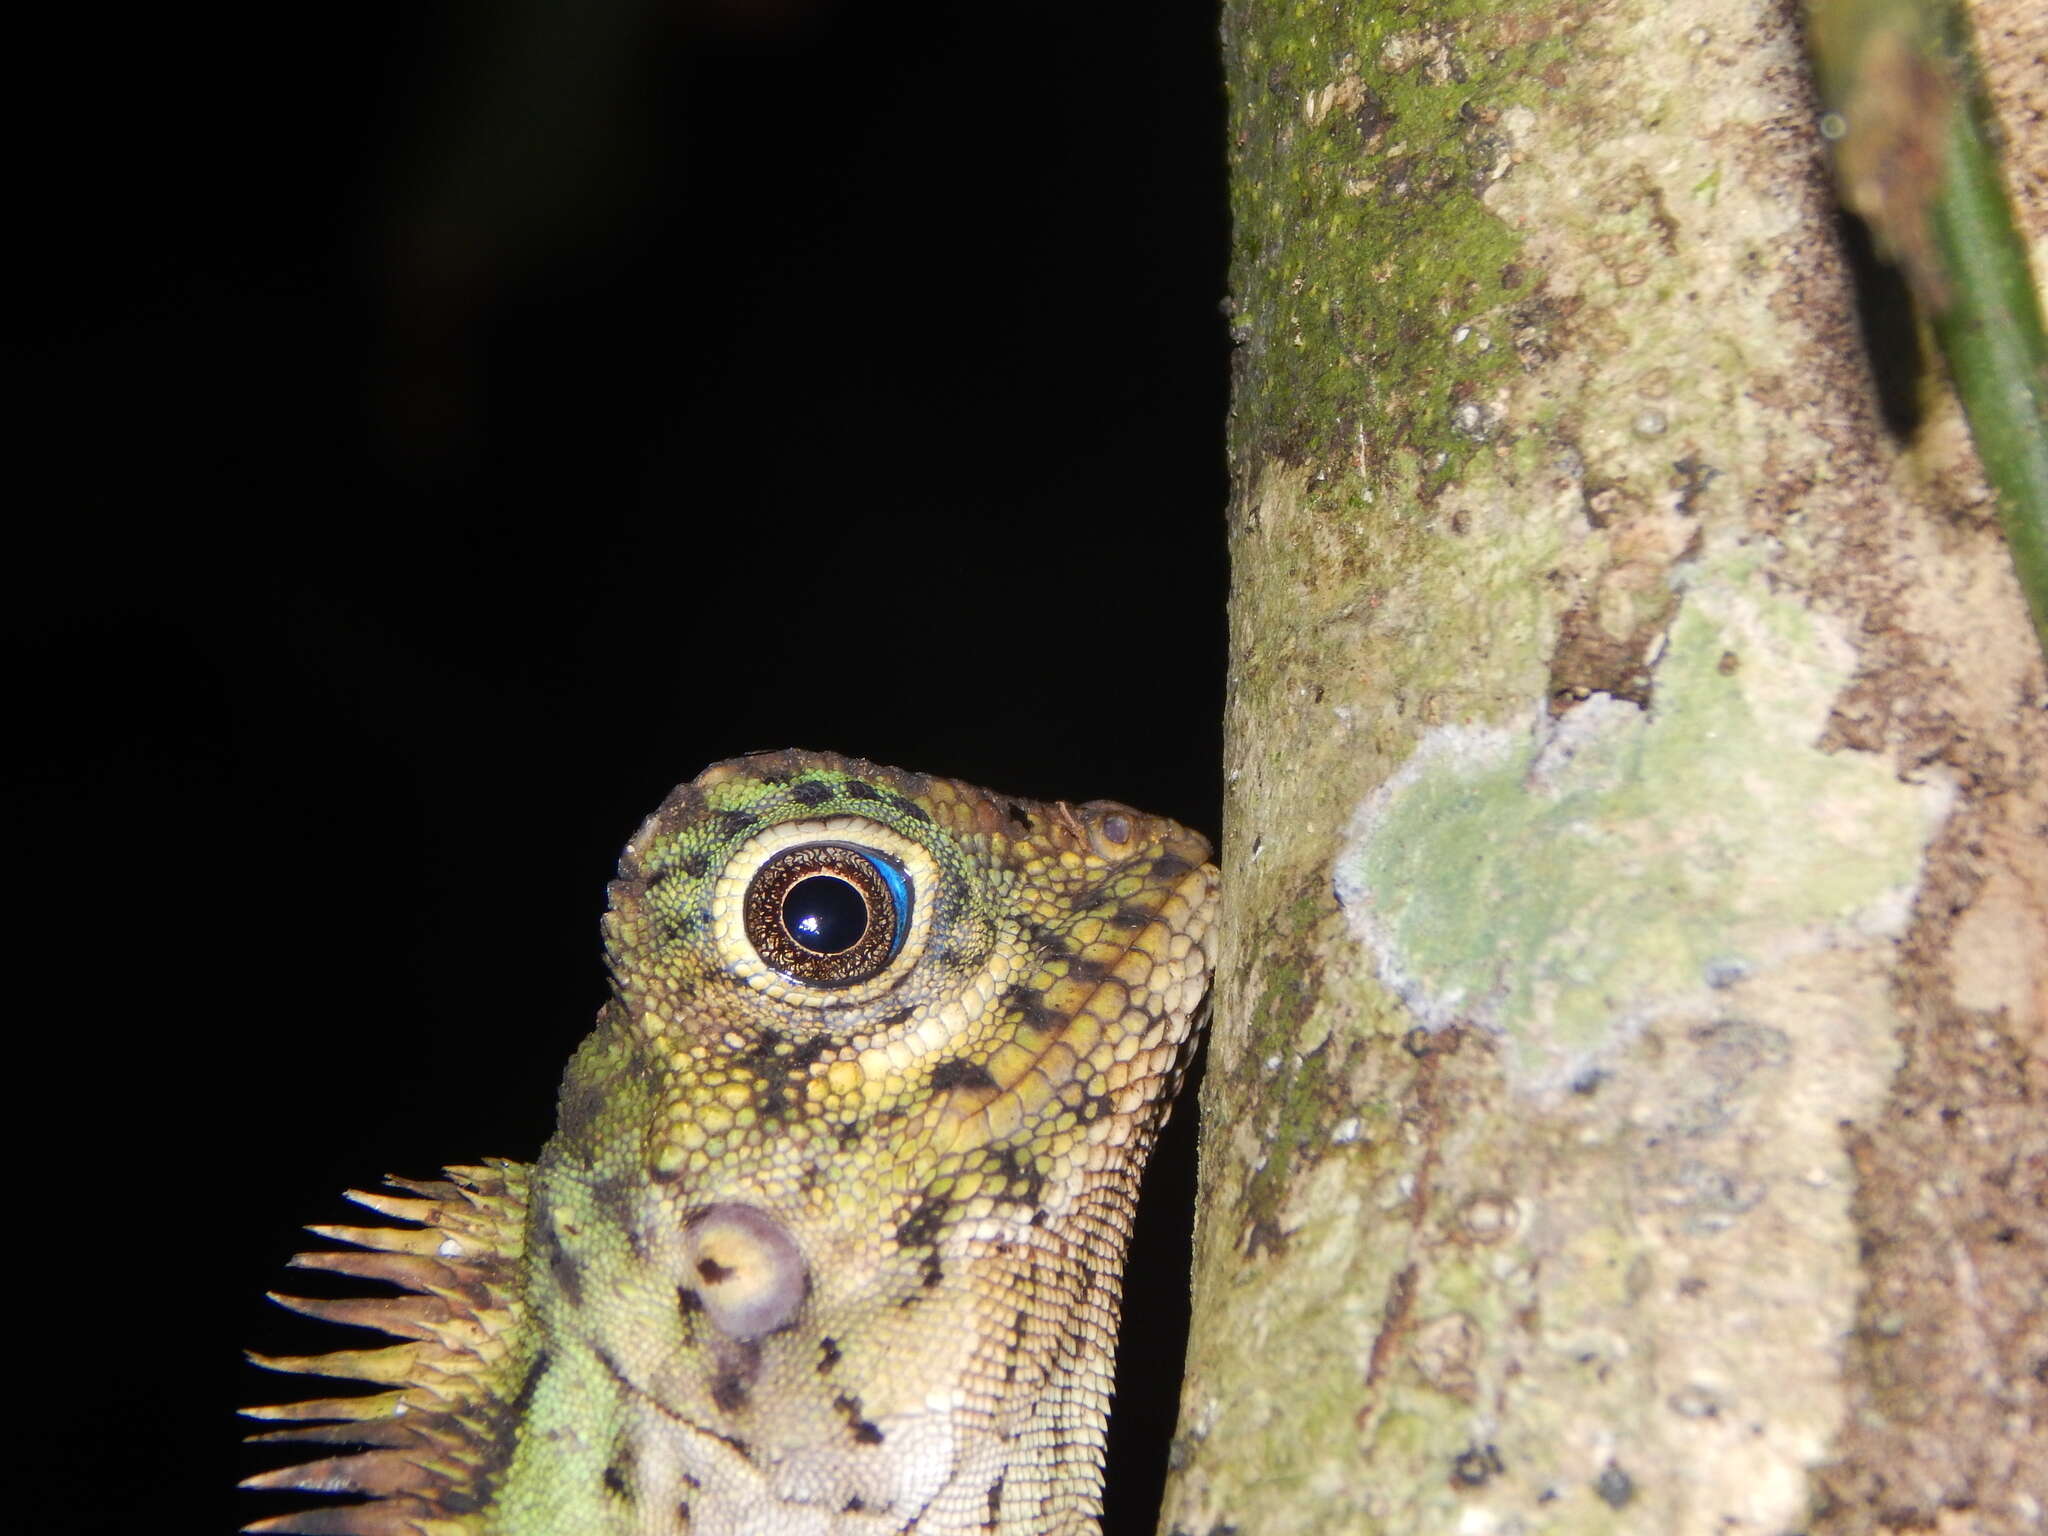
x: 897, y: 879
x: 829, y: 914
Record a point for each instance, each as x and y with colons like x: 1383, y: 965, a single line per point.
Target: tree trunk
x: 1625, y: 1108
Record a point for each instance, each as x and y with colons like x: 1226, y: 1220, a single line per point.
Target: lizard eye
x: 829, y: 914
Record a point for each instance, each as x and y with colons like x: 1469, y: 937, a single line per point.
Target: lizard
x: 828, y: 1239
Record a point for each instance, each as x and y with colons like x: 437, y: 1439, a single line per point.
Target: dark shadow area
x: 1153, y: 1348
x: 446, y: 427
x: 1885, y: 318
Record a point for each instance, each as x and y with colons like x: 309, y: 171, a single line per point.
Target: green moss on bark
x: 1368, y: 279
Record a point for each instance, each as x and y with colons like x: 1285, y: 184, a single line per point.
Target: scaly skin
x: 827, y: 1241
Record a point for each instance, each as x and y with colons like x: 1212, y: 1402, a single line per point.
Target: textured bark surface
x: 2012, y: 46
x: 1625, y: 1109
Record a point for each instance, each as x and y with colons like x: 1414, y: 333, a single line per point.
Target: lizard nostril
x: 1115, y: 831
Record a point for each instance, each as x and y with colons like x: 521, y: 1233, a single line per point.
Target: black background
x: 438, y: 430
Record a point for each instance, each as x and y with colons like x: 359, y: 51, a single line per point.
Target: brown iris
x: 828, y: 913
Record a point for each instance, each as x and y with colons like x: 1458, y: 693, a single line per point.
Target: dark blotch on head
x: 1029, y: 1003
x: 763, y: 1046
x: 1087, y: 970
x: 688, y: 1300
x: 523, y: 1398
x: 864, y: 1433
x: 812, y: 792
x: 956, y: 1073
x: 777, y: 1064
x: 729, y: 1389
x: 615, y: 1483
x: 828, y: 1354
x: 499, y: 1455
x: 995, y: 1500
x: 568, y: 1274
x: 696, y: 864
x: 583, y: 1100
x: 921, y: 1226
x: 735, y: 822
x: 620, y: 1198
x: 1129, y: 918
x: 711, y: 1271
x: 933, y: 1271
x: 910, y: 808
x: 1169, y: 867
x: 859, y: 789
x: 1025, y: 1185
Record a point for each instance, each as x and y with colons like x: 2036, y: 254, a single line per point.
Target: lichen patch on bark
x: 1566, y: 881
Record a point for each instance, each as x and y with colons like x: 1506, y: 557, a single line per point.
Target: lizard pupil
x: 825, y: 914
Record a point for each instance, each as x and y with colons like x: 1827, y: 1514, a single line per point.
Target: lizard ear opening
x: 742, y: 1269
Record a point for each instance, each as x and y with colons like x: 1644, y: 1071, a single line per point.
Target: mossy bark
x: 1625, y: 1109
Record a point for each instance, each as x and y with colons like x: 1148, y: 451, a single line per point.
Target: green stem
x: 1992, y: 335
x: 1915, y: 157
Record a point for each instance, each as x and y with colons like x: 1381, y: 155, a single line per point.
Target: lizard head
x: 833, y: 941
x: 834, y: 1215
